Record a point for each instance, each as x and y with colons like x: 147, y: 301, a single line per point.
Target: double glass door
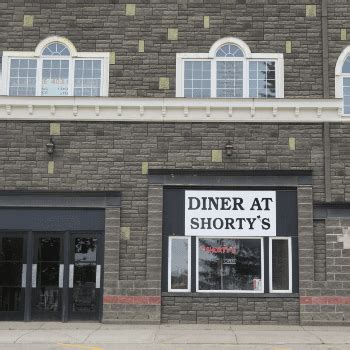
x: 50, y: 276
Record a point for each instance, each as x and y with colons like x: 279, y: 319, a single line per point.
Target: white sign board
x: 230, y: 213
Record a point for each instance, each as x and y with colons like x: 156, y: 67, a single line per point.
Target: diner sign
x: 230, y: 213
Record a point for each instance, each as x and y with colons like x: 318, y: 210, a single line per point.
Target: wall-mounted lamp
x: 50, y: 147
x: 229, y: 149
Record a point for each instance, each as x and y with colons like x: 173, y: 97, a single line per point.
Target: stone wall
x: 327, y: 302
x: 137, y: 35
x: 110, y: 157
x: 214, y: 308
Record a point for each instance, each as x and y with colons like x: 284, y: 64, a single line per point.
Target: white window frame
x: 37, y: 54
x: 189, y: 265
x: 339, y: 75
x: 232, y: 291
x: 181, y: 58
x: 290, y: 267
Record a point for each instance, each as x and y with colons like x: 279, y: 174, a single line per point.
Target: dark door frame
x: 13, y: 200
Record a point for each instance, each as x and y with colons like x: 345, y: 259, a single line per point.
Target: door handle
x: 71, y: 275
x: 24, y: 275
x: 34, y: 273
x: 98, y: 276
x: 60, y: 277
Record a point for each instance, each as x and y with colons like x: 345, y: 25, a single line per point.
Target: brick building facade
x: 115, y: 157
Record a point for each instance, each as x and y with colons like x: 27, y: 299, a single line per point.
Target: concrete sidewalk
x: 96, y: 336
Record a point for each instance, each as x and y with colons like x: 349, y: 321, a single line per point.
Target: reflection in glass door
x: 47, y: 277
x: 13, y: 270
x: 84, y: 277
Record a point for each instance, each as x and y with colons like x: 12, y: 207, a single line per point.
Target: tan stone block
x: 125, y: 233
x: 141, y: 46
x: 112, y: 58
x: 144, y: 168
x: 51, y: 167
x: 164, y: 83
x: 291, y: 143
x: 288, y: 47
x: 310, y: 10
x: 55, y: 129
x: 206, y: 22
x: 173, y: 34
x: 343, y: 34
x: 130, y: 9
x: 216, y: 156
x: 28, y: 21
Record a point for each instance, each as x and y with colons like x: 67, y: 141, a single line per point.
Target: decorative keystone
x: 130, y: 9
x: 112, y: 58
x: 164, y: 83
x: 50, y: 167
x: 125, y: 233
x: 173, y: 34
x: 310, y: 10
x: 28, y: 21
x: 343, y: 34
x: 288, y: 47
x: 55, y: 129
x: 141, y: 46
x: 144, y: 168
x: 345, y: 238
x: 216, y: 156
x: 291, y: 143
x: 206, y: 22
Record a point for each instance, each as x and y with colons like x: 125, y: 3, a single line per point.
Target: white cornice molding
x: 171, y: 109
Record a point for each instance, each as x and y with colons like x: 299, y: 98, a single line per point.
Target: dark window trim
x: 48, y: 199
x: 239, y: 178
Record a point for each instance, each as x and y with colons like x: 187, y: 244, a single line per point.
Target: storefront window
x: 179, y: 262
x: 229, y: 265
x: 280, y: 264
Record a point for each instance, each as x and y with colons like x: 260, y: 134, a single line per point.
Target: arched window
x: 55, y: 68
x: 342, y: 79
x: 229, y: 70
x: 56, y: 59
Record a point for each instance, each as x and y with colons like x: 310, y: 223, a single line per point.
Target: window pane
x: 55, y: 78
x: 262, y: 79
x: 229, y: 79
x: 25, y: 70
x: 346, y: 95
x: 179, y: 263
x: 346, y: 66
x: 56, y: 49
x: 87, y: 78
x: 197, y: 79
x: 229, y: 50
x: 280, y: 264
x: 229, y: 264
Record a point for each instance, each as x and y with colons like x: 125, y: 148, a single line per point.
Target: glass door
x: 47, y: 277
x: 13, y: 271
x: 85, y: 277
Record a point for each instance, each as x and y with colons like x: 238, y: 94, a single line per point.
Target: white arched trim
x: 338, y: 72
x: 210, y: 56
x: 230, y: 40
x: 37, y: 56
x: 55, y: 39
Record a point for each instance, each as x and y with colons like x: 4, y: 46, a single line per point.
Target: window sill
x: 231, y: 295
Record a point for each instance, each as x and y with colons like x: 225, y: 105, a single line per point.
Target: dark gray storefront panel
x: 174, y: 211
x: 35, y: 219
x: 286, y: 224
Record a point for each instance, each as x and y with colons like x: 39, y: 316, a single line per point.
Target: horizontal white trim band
x: 171, y: 109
